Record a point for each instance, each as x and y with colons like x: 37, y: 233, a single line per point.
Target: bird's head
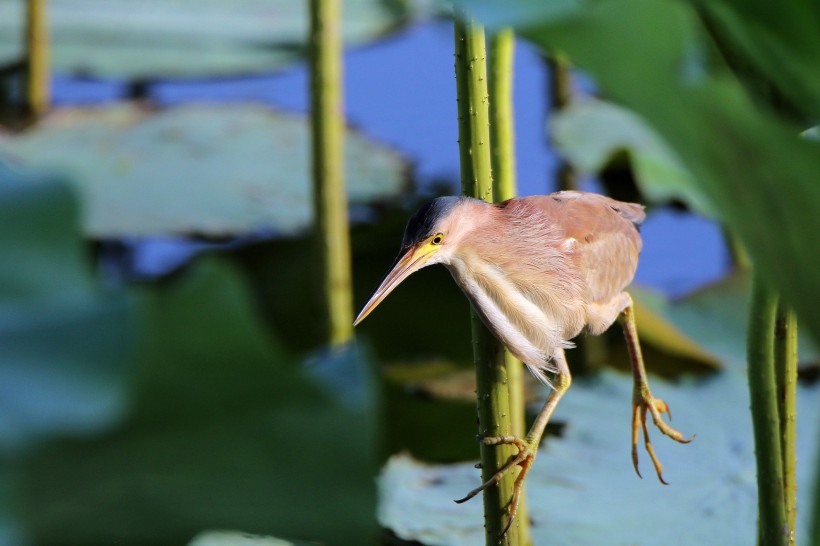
x: 429, y: 238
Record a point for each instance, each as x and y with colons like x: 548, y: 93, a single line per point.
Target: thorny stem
x: 494, y: 413
x: 785, y: 360
x: 772, y: 522
x: 502, y: 144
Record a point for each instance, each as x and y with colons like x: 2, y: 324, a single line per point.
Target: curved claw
x: 642, y: 399
x: 655, y: 406
x: 662, y: 407
x: 637, y: 419
x: 524, y: 458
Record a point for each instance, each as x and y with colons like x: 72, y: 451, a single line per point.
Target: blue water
x: 401, y: 91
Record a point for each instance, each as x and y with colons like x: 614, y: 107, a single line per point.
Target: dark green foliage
x: 67, y: 345
x: 175, y: 411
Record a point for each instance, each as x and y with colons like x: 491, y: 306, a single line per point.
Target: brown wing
x: 606, y: 239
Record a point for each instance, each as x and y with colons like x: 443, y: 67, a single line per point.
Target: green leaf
x: 660, y: 325
x: 67, y: 344
x: 591, y: 133
x: 215, y: 169
x: 514, y: 13
x: 236, y: 538
x: 169, y: 39
x: 812, y: 133
x: 715, y: 317
x: 173, y: 407
x: 775, y: 49
x: 582, y: 486
x: 226, y: 431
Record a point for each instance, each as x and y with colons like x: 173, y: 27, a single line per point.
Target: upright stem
x: 785, y: 359
x: 772, y: 522
x: 37, y: 92
x: 502, y: 141
x: 494, y: 413
x: 473, y: 111
x: 502, y: 127
x: 329, y: 197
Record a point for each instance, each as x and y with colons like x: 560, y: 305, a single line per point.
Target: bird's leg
x: 528, y: 447
x: 642, y: 399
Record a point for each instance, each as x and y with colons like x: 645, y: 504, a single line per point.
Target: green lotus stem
x: 502, y: 127
x: 772, y: 522
x: 37, y: 86
x: 473, y: 111
x: 329, y: 196
x: 785, y: 360
x: 502, y: 146
x: 494, y: 413
x: 502, y: 140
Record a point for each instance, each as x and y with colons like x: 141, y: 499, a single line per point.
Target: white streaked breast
x: 543, y: 335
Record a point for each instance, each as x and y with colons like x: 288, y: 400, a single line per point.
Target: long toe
x: 517, y: 487
x: 524, y: 458
x: 655, y: 406
x: 524, y: 452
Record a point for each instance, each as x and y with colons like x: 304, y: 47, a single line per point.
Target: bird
x: 538, y: 271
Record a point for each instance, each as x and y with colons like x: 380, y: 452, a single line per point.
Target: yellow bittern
x: 538, y: 270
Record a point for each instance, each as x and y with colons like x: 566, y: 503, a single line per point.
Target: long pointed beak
x: 406, y: 264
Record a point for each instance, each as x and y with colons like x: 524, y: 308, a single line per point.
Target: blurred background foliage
x: 159, y: 40
x: 149, y: 414
x: 147, y: 400
x: 245, y: 168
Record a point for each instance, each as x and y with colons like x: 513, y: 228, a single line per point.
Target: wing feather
x: 601, y: 231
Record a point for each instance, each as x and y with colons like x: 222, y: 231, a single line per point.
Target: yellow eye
x: 438, y: 239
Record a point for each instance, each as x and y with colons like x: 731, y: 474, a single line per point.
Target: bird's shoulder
x: 585, y: 217
x: 598, y: 234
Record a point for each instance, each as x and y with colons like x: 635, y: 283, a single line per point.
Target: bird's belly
x: 518, y: 344
x: 531, y: 333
